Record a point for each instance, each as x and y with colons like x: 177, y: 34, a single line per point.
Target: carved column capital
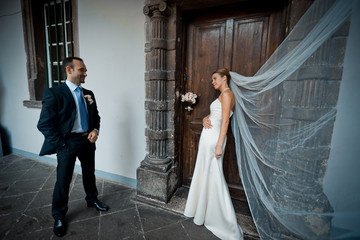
x: 159, y: 9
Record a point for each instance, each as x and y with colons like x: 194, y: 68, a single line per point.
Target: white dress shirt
x: 77, y: 124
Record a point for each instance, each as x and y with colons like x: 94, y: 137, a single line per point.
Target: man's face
x: 78, y: 74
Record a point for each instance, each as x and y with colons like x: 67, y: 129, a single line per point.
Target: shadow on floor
x: 25, y: 209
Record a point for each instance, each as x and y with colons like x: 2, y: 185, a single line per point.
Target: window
x: 58, y: 39
x: 50, y: 35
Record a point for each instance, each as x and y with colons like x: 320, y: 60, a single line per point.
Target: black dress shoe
x: 100, y: 206
x: 59, y: 228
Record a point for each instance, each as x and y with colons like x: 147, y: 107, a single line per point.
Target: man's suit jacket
x: 58, y: 114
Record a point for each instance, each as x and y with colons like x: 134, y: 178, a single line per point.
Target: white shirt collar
x: 71, y: 85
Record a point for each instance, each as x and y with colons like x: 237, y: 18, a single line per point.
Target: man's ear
x: 68, y: 70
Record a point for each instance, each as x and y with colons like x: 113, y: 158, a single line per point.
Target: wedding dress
x: 209, y: 199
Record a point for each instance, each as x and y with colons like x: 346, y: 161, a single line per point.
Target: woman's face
x: 217, y: 80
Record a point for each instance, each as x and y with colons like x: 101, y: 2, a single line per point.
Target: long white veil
x: 283, y: 123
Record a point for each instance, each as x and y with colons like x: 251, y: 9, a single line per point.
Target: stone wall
x: 310, y: 92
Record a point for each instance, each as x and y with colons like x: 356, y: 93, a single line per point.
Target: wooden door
x: 240, y: 39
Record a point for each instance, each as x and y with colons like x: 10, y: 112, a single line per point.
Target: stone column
x: 156, y: 177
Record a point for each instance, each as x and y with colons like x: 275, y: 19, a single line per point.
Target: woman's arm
x: 226, y: 106
x: 206, y: 122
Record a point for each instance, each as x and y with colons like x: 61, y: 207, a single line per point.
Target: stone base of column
x: 155, y: 183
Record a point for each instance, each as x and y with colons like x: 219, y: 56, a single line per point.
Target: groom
x: 70, y: 122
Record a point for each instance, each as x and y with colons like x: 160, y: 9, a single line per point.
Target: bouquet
x: 189, y: 99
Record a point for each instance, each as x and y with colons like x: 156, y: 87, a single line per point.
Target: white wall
x: 111, y: 36
x: 111, y: 41
x: 18, y: 120
x: 342, y: 179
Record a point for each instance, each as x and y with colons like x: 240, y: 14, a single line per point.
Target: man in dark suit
x: 70, y: 122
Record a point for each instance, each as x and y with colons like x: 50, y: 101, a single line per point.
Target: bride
x: 209, y: 200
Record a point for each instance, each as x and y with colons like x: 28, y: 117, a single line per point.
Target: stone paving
x: 26, y: 187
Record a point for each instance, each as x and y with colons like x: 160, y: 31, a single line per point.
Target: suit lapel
x: 67, y: 95
x: 89, y: 107
x: 69, y: 101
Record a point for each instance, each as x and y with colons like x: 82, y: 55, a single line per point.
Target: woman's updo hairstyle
x: 224, y: 72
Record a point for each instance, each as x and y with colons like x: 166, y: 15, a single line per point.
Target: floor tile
x: 44, y: 166
x: 196, y: 232
x: 153, y: 218
x: 20, y: 164
x: 25, y: 186
x: 30, y: 221
x: 15, y: 203
x: 119, y: 200
x: 10, y: 158
x: 77, y: 189
x: 7, y: 222
x: 4, y: 186
x: 7, y: 160
x: 119, y: 225
x: 36, y: 173
x: 43, y: 234
x: 175, y: 230
x: 77, y: 192
x: 42, y: 199
x: 11, y: 176
x: 50, y: 181
x: 110, y: 187
x: 83, y: 230
x: 78, y: 210
x: 137, y: 237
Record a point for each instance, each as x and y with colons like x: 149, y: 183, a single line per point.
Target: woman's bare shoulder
x: 228, y: 95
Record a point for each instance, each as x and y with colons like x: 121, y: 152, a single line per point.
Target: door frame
x: 159, y: 173
x: 183, y: 46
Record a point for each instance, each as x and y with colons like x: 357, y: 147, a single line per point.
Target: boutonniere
x: 89, y: 99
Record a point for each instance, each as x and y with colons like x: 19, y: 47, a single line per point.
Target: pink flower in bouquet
x: 189, y: 97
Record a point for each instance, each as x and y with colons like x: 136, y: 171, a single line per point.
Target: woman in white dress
x: 209, y: 199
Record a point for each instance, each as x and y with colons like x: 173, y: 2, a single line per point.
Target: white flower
x: 88, y: 99
x: 189, y: 97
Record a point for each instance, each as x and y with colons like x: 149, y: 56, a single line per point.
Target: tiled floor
x: 25, y: 209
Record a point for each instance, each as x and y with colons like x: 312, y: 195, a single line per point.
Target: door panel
x: 238, y: 39
x: 202, y: 37
x: 249, y: 48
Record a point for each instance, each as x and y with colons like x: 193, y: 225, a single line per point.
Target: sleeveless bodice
x: 216, y: 113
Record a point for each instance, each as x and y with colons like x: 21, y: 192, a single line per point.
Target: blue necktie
x: 83, y: 114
